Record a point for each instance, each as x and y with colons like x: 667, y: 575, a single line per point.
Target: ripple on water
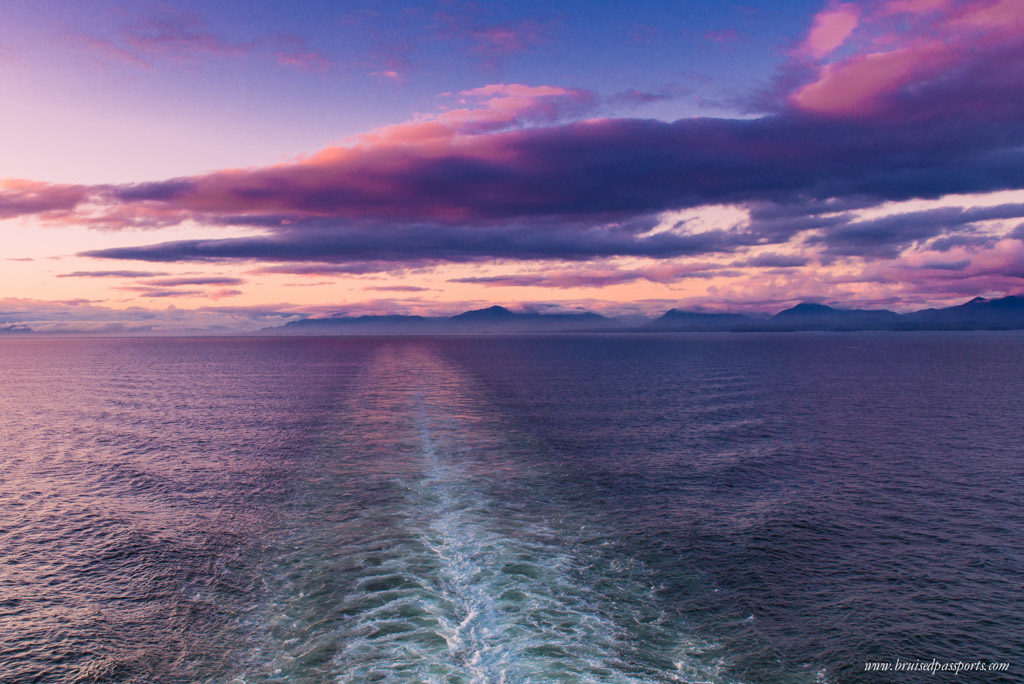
x: 446, y: 579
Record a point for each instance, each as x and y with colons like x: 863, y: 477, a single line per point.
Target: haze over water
x: 724, y: 508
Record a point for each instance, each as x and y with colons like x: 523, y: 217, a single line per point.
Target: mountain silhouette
x: 491, y: 319
x: 1006, y: 313
x: 491, y: 313
x: 812, y: 316
x: 678, y: 319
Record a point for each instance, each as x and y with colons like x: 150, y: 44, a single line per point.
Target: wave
x: 429, y: 547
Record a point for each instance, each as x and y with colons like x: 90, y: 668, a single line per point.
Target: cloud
x: 171, y: 35
x: 435, y: 243
x: 561, y: 279
x: 960, y: 265
x: 591, y: 171
x: 889, y: 235
x: 945, y: 244
x: 84, y: 316
x: 724, y: 36
x: 636, y: 98
x: 918, y: 59
x: 863, y: 116
x: 24, y: 197
x: 110, y: 50
x: 487, y: 109
x: 772, y: 260
x: 179, y: 36
x: 161, y: 288
x: 600, y: 277
x: 177, y: 282
x: 345, y: 268
x: 502, y: 40
x: 831, y: 28
x: 112, y: 274
x: 494, y: 41
x: 156, y: 293
x: 294, y: 52
x: 993, y: 272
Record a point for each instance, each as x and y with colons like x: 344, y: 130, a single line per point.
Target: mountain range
x: 1006, y: 313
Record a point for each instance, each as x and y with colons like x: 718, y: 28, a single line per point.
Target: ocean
x: 776, y: 507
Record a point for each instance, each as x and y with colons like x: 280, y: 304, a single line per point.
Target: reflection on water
x: 676, y: 508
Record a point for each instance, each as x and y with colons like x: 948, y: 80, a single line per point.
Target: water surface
x: 733, y: 508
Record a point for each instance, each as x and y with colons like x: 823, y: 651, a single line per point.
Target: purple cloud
x: 887, y: 236
x: 435, y: 243
x: 596, y: 276
x: 294, y: 52
x: 345, y: 268
x: 22, y: 197
x: 179, y: 35
x: 493, y: 40
x: 177, y: 282
x: 112, y: 274
x: 156, y: 293
x: 504, y: 175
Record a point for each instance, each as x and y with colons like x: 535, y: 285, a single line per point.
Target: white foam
x: 442, y: 578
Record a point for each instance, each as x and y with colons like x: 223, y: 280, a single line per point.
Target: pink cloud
x: 295, y: 53
x: 1006, y: 16
x: 22, y: 197
x: 859, y: 86
x: 390, y: 75
x: 914, y: 6
x: 172, y: 36
x: 112, y: 51
x: 494, y: 41
x: 396, y: 69
x: 956, y: 55
x: 486, y: 109
x: 372, y: 166
x: 992, y: 272
x: 831, y: 28
x: 508, y: 38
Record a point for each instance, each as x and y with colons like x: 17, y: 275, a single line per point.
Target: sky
x: 229, y: 166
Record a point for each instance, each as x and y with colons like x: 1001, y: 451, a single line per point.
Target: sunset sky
x: 235, y: 165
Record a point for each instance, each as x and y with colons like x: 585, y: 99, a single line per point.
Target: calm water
x: 736, y: 508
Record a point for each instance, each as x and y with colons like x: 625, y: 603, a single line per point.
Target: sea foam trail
x: 416, y: 557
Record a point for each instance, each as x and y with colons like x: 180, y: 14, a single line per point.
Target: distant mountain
x: 500, y: 318
x: 491, y: 313
x: 355, y: 320
x: 491, y: 319
x: 1006, y: 313
x: 677, y: 319
x: 335, y: 325
x: 811, y: 316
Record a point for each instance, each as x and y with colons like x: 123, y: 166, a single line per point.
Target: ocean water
x: 662, y: 508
